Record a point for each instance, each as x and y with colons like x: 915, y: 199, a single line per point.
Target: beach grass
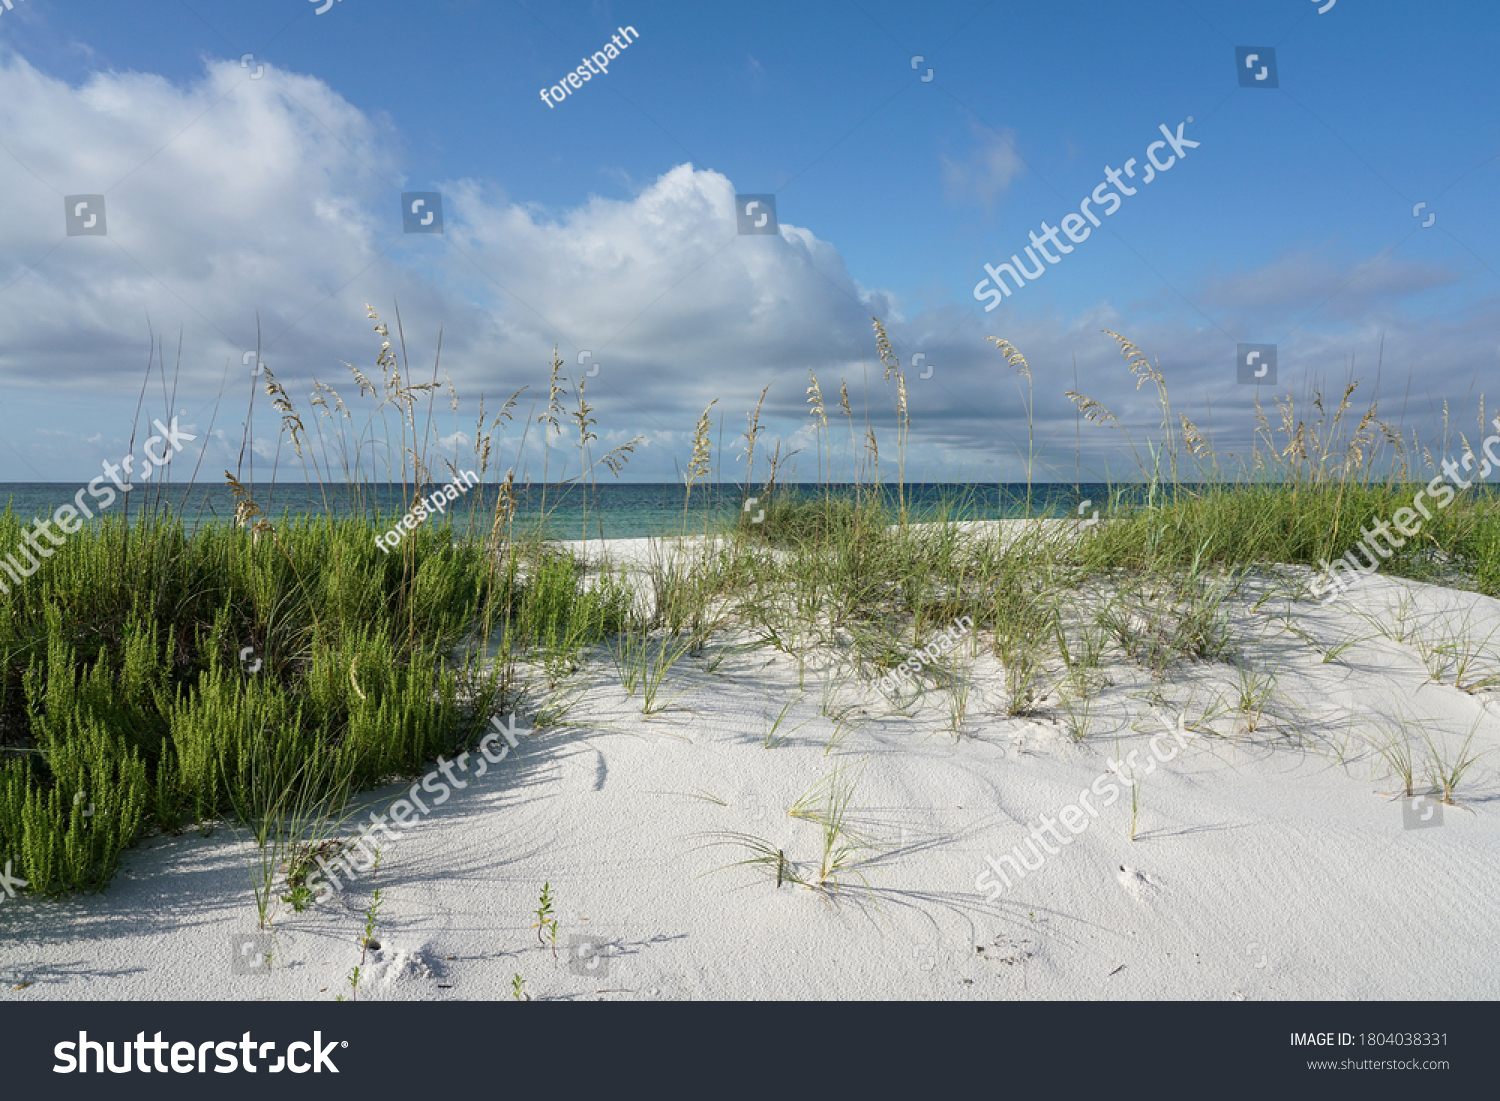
x: 152, y: 678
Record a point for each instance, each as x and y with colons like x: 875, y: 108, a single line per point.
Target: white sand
x: 1266, y: 865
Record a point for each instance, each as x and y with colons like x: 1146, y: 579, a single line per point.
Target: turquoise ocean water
x: 618, y: 511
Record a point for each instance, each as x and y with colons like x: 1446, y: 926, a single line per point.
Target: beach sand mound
x: 1277, y: 862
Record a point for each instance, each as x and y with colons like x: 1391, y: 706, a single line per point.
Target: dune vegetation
x: 260, y: 673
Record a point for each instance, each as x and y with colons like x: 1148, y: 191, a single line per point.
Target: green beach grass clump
x: 150, y: 702
x: 262, y: 672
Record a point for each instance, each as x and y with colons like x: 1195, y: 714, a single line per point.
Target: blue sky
x: 606, y: 222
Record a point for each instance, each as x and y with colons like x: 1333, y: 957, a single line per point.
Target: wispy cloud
x: 985, y: 172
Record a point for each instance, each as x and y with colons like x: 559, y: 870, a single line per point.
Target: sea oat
x: 1013, y: 356
x: 815, y: 399
x: 556, y: 390
x: 1091, y: 409
x: 1196, y: 444
x: 752, y: 434
x: 290, y: 422
x: 702, y: 459
x: 616, y: 458
x: 883, y: 344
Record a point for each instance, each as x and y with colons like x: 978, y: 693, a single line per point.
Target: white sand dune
x: 1271, y: 864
